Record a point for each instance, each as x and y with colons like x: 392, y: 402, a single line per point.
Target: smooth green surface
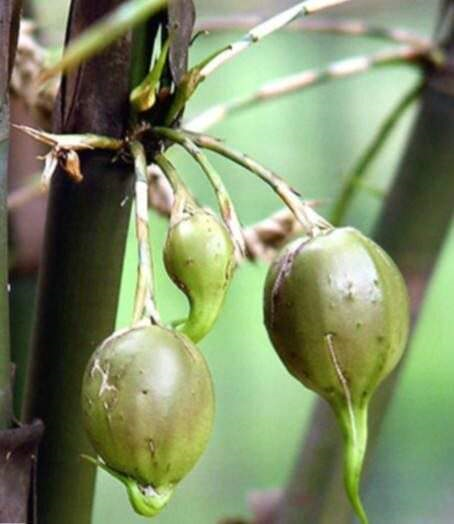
x: 148, y: 407
x: 336, y: 310
x: 199, y: 258
x: 337, y: 304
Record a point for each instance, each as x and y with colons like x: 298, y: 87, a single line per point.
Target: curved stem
x: 299, y: 81
x: 144, y: 304
x: 226, y: 205
x: 170, y: 172
x: 354, y: 177
x: 307, y: 217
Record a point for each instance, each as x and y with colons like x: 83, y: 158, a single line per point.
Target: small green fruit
x: 148, y: 407
x: 336, y: 310
x: 199, y: 258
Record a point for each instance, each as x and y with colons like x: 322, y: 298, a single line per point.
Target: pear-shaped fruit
x: 199, y: 258
x: 337, y: 312
x: 148, y: 406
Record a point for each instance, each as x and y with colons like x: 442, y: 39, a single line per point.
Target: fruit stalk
x: 225, y: 203
x: 355, y: 431
x: 305, y: 215
x: 144, y: 303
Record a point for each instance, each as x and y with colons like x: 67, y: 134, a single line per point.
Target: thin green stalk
x: 177, y: 184
x: 101, y: 34
x: 354, y: 178
x: 307, y: 217
x: 226, y: 205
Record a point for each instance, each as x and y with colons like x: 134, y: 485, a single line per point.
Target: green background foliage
x: 312, y: 139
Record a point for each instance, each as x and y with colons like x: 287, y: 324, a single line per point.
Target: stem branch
x: 307, y: 217
x: 300, y: 81
x: 144, y: 304
x: 226, y: 205
x: 341, y: 27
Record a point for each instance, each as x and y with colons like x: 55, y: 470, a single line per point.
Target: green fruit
x: 336, y: 310
x: 199, y: 258
x: 148, y: 406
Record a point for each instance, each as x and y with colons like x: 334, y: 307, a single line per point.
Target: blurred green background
x: 312, y: 139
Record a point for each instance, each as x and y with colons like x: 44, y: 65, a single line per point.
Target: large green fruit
x: 148, y: 407
x: 336, y: 310
x: 199, y: 257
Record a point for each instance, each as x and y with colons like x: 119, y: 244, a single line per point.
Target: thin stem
x: 179, y: 188
x: 355, y: 28
x: 101, y: 34
x: 264, y: 29
x: 354, y: 177
x: 208, y: 66
x: 144, y: 304
x: 73, y: 141
x: 226, y: 205
x: 307, y: 217
x: 169, y: 172
x: 306, y: 79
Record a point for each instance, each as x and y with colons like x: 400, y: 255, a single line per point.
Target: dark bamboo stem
x: 5, y: 373
x: 80, y: 273
x: 9, y: 20
x: 412, y: 226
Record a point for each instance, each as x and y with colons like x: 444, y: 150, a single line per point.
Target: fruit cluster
x: 336, y: 310
x: 335, y: 305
